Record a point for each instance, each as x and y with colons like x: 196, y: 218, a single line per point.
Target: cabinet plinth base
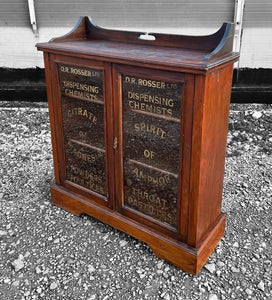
x: 175, y: 252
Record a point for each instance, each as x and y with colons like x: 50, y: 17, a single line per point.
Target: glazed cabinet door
x: 82, y: 107
x: 150, y: 181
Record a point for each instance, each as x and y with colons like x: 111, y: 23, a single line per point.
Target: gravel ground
x: 47, y: 253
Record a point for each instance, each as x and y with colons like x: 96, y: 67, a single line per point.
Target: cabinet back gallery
x: 139, y: 127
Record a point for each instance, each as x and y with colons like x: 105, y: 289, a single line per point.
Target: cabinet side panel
x: 51, y: 114
x: 187, y: 115
x: 213, y: 148
x: 195, y: 159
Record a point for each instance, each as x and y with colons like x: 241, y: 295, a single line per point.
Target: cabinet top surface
x: 196, y: 52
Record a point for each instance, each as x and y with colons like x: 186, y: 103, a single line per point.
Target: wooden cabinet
x: 139, y: 129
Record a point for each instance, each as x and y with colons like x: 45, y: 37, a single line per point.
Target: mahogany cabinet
x: 139, y: 127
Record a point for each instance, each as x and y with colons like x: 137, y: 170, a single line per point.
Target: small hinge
x: 115, y: 143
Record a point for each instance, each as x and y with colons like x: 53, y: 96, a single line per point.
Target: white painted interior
x: 17, y: 18
x: 256, y: 48
x: 17, y: 46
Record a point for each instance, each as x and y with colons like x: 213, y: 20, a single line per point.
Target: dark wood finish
x: 157, y: 119
x: 177, y: 253
x: 187, y: 117
x: 209, y: 134
x: 215, y: 45
x: 198, y: 52
x: 53, y: 116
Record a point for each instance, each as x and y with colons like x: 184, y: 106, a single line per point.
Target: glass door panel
x: 151, y: 126
x: 82, y: 104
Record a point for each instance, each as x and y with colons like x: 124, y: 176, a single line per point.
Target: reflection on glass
x: 82, y: 103
x: 151, y: 138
